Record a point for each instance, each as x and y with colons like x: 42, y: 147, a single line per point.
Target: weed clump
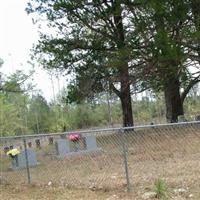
x: 160, y: 189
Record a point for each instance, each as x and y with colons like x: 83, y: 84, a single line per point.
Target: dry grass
x: 56, y: 193
x: 170, y: 154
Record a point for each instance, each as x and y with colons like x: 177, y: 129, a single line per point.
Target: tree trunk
x: 123, y: 59
x: 173, y: 102
x: 127, y: 109
x: 125, y: 97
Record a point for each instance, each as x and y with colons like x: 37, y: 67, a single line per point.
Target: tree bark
x: 173, y: 102
x: 125, y: 97
x: 126, y: 109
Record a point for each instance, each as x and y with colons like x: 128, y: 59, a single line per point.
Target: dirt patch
x: 56, y: 193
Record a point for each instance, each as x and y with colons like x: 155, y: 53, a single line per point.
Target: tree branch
x: 190, y: 85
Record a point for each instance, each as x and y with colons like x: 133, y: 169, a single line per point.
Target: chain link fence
x: 118, y: 158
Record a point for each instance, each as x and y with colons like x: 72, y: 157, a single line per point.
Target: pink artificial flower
x: 74, y: 136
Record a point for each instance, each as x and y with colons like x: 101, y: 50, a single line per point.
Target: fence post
x: 124, y: 149
x: 27, y: 162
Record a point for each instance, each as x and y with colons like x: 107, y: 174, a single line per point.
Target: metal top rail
x: 100, y: 130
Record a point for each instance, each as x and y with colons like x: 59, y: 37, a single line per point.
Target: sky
x: 17, y: 36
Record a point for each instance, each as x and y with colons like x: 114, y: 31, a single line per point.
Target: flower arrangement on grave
x: 13, y: 153
x: 75, y: 137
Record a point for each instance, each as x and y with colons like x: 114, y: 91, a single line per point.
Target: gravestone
x: 181, y: 118
x: 19, y: 162
x: 37, y: 142
x: 62, y: 147
x: 29, y: 144
x: 91, y: 143
x: 50, y: 140
x: 63, y: 136
x: 86, y: 144
x: 197, y: 118
x: 6, y: 149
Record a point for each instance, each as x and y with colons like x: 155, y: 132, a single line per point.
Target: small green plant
x: 160, y: 189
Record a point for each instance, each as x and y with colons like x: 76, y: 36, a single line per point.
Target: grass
x: 160, y: 189
x: 152, y: 153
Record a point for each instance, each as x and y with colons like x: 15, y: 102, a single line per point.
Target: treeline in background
x: 25, y: 111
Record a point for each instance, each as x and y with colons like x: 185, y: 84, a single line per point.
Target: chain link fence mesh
x: 122, y: 158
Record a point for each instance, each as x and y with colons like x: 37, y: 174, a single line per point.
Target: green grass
x: 160, y: 188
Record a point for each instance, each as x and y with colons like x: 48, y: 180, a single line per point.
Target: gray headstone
x: 37, y: 142
x: 6, y: 149
x: 91, y: 143
x: 65, y: 147
x: 50, y: 140
x: 20, y: 161
x: 197, y: 118
x: 62, y: 147
x: 29, y: 144
x: 181, y: 118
